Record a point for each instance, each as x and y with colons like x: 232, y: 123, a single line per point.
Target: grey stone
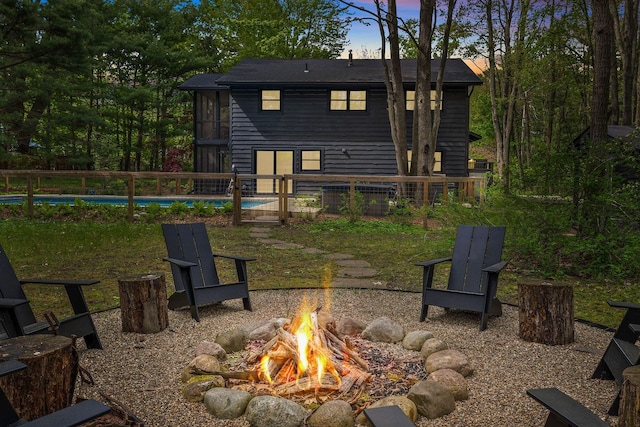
x: 279, y: 322
x: 264, y: 332
x: 353, y: 263
x: 415, y: 339
x: 326, y: 320
x: 432, y: 345
x: 233, y: 340
x: 201, y: 365
x: 226, y: 403
x: 449, y: 359
x: 358, y: 272
x: 195, y: 391
x: 452, y: 380
x: 349, y: 326
x: 432, y: 399
x: 334, y: 413
x: 212, y: 349
x: 270, y: 411
x: 383, y: 329
x: 407, y: 406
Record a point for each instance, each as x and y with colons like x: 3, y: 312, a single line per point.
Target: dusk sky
x: 362, y: 36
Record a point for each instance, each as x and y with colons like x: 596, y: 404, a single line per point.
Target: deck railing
x: 327, y: 189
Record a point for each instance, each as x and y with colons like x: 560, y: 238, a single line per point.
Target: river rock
x: 226, y: 403
x: 334, y: 413
x: 432, y: 345
x: 212, y: 349
x: 407, y: 406
x: 264, y: 332
x: 233, y: 340
x: 449, y: 359
x: 415, y: 339
x: 270, y: 411
x: 326, y: 320
x: 194, y: 391
x: 383, y: 329
x: 432, y: 399
x: 200, y: 365
x: 349, y: 326
x: 452, y: 380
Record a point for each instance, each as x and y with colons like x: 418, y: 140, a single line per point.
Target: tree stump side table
x: 143, y: 303
x: 48, y: 383
x: 630, y: 398
x: 546, y: 312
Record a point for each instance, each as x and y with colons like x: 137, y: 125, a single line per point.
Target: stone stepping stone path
x: 353, y: 274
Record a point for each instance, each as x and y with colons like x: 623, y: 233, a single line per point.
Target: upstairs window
x: 271, y: 100
x: 411, y: 100
x: 353, y: 100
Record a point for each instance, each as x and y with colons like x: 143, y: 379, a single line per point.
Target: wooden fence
x: 238, y: 187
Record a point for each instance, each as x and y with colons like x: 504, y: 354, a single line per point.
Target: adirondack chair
x: 473, y: 278
x: 17, y: 317
x: 68, y: 417
x: 622, y: 352
x: 193, y: 267
x: 564, y: 410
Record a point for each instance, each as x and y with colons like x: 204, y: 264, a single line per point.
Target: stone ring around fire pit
x: 311, y: 368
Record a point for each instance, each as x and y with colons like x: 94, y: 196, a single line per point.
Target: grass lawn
x: 108, y: 250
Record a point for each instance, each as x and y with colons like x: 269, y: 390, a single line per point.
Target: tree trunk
x: 48, y: 383
x: 546, y: 312
x: 143, y: 303
x: 630, y: 398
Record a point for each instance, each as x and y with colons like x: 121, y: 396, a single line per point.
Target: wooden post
x: 425, y: 204
x: 30, y: 195
x: 48, y: 383
x: 131, y: 191
x: 237, y: 201
x: 546, y: 312
x: 143, y: 303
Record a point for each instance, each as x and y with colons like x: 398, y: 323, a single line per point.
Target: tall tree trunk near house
x: 396, y: 102
x: 493, y: 91
x: 594, y: 212
x: 626, y: 42
x: 423, y: 142
x: 139, y: 141
x: 614, y: 116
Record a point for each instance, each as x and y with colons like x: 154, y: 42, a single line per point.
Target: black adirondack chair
x: 473, y: 279
x: 17, y: 317
x: 194, y: 269
x: 564, y: 411
x: 622, y: 352
x: 68, y: 417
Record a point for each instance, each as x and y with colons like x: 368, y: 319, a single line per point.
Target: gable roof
x: 336, y: 71
x: 203, y: 81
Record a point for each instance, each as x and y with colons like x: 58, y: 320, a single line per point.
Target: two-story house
x: 317, y: 116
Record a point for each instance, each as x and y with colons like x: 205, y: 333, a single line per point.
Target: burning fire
x: 311, y: 355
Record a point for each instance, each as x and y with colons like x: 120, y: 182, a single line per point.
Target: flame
x: 264, y: 367
x: 313, y: 358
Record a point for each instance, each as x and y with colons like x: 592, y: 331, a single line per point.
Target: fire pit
x: 306, y: 357
x: 310, y: 360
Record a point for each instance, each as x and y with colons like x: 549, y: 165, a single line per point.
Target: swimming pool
x: 123, y: 201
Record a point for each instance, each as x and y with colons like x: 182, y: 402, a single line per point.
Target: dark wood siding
x: 352, y: 142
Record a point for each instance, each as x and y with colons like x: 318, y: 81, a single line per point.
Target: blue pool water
x: 123, y: 201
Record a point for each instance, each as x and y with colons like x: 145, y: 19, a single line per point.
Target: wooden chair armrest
x: 495, y: 268
x: 11, y: 366
x: 624, y: 304
x: 180, y: 263
x: 432, y: 262
x: 234, y: 257
x: 60, y: 282
x: 12, y: 303
x: 71, y: 415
